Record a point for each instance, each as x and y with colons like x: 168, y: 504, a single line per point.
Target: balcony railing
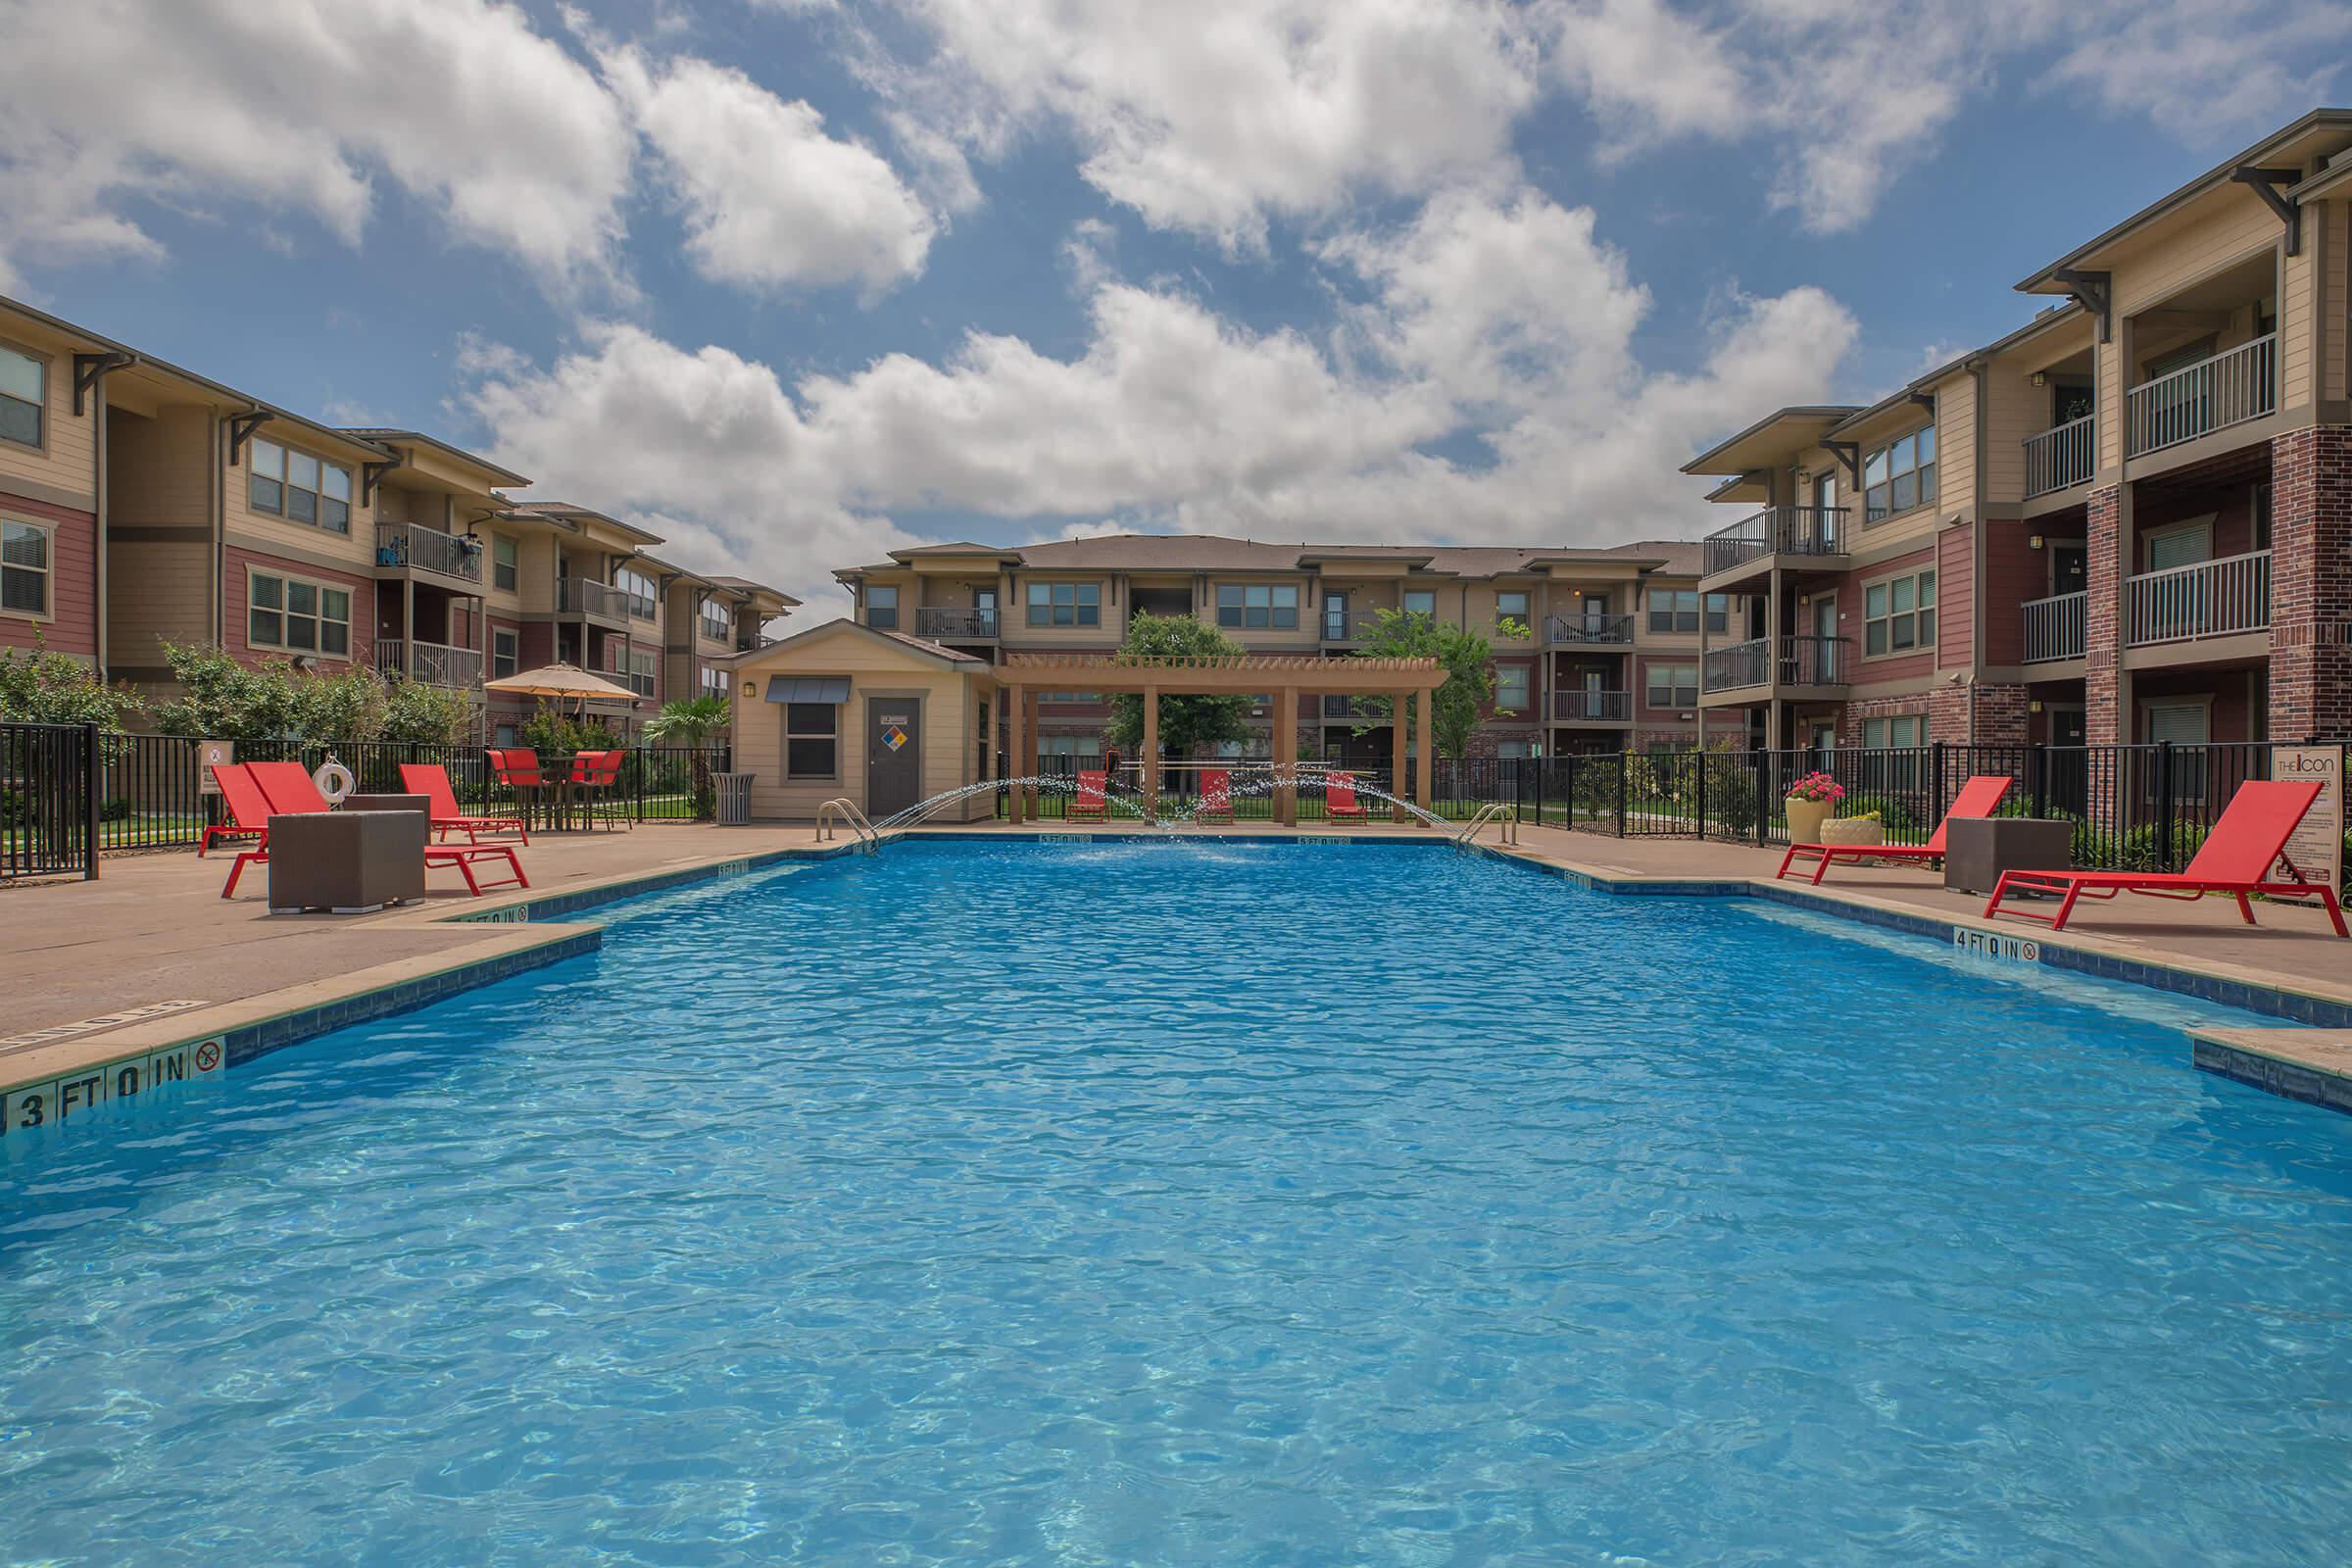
x: 750, y: 641
x: 1349, y: 626
x: 2060, y: 457
x: 1776, y: 530
x: 2230, y: 388
x: 429, y: 664
x: 2056, y: 628
x: 1338, y: 708
x: 962, y: 623
x: 1589, y: 626
x: 585, y: 596
x: 1592, y: 706
x: 1797, y: 661
x: 405, y: 544
x: 2208, y: 599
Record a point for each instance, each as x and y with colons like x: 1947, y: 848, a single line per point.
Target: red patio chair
x: 1087, y: 806
x: 1977, y: 797
x: 2236, y: 858
x: 595, y: 777
x: 248, y: 808
x: 431, y: 781
x: 291, y: 792
x: 1216, y: 795
x: 1339, y: 796
x: 515, y: 769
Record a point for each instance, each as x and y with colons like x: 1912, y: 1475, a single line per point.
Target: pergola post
x: 1397, y: 717
x: 1016, y: 714
x: 1429, y: 757
x: 1286, y: 755
x: 1150, y: 758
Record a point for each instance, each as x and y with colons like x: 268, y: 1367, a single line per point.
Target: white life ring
x: 334, y: 781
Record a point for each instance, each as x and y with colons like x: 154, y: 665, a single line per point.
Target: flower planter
x: 1806, y: 819
x: 1854, y: 830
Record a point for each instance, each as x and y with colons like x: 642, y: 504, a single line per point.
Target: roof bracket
x: 1925, y: 400
x: 2091, y: 292
x: 240, y: 430
x: 88, y: 368
x: 2264, y: 182
x: 370, y: 475
x: 1849, y: 458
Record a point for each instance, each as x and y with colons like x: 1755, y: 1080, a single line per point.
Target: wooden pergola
x: 1280, y: 677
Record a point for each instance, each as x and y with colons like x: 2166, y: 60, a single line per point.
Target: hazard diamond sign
x: 894, y: 737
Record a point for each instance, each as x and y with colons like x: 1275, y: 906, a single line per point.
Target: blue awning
x: 808, y: 688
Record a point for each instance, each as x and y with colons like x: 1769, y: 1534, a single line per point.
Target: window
x: 1258, y: 605
x: 1069, y: 603
x: 2183, y: 546
x: 1510, y: 607
x: 718, y: 625
x: 297, y: 486
x: 1421, y: 602
x: 882, y: 608
x: 641, y: 670
x: 1899, y: 614
x: 506, y: 563
x: 1672, y: 685
x: 1510, y: 688
x: 1676, y: 610
x: 1085, y: 699
x: 714, y: 682
x: 295, y: 617
x: 23, y: 568
x: 506, y: 648
x: 1511, y: 752
x: 639, y: 589
x: 812, y: 747
x: 1897, y: 731
x: 1899, y: 477
x: 23, y: 398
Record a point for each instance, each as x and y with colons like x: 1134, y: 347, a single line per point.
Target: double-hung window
x: 506, y: 563
x: 882, y: 606
x: 1259, y: 606
x: 1899, y: 475
x: 641, y: 670
x: 1899, y: 614
x: 24, y: 565
x: 1421, y: 602
x: 23, y: 398
x: 1898, y: 730
x: 288, y: 615
x: 1071, y: 604
x: 1511, y: 607
x: 506, y: 648
x: 714, y: 682
x: 715, y: 622
x: 637, y: 588
x: 1671, y: 685
x: 297, y: 486
x: 811, y: 740
x: 1510, y: 688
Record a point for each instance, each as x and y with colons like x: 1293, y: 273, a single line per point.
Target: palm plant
x: 696, y: 722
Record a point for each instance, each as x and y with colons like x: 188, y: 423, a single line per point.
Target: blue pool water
x: 1022, y: 1203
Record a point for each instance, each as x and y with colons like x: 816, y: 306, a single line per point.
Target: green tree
x: 420, y: 714
x: 1466, y: 657
x: 39, y: 687
x: 551, y: 729
x: 224, y: 699
x: 699, y: 722
x: 1184, y: 722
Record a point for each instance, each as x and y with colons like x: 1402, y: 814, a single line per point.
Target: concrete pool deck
x: 149, y: 958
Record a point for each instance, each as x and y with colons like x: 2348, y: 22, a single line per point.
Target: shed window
x: 811, y: 740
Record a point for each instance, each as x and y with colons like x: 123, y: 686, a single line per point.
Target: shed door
x: 894, y: 755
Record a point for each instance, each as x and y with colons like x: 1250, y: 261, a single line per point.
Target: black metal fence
x: 49, y: 815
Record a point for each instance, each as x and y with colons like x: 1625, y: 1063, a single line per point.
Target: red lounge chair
x: 431, y: 781
x: 248, y: 808
x: 1339, y: 796
x: 1216, y: 796
x: 291, y: 792
x: 2236, y: 859
x: 1087, y: 806
x: 1977, y: 797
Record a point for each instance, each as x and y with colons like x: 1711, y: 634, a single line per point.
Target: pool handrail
x: 1491, y: 812
x: 841, y: 808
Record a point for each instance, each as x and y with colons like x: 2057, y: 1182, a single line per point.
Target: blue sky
x: 800, y: 280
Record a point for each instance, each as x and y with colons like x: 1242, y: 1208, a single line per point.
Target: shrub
x: 39, y: 687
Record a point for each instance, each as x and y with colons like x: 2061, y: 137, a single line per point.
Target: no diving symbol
x: 894, y: 737
x: 208, y: 1055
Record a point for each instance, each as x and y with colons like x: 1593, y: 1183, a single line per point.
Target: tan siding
x: 358, y: 547
x: 155, y: 591
x: 950, y: 700
x: 67, y: 462
x: 2015, y: 410
x: 1956, y: 444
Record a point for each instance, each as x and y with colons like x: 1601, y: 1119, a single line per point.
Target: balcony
x: 1592, y: 706
x: 407, y: 546
x: 585, y: 596
x: 1346, y: 710
x: 2061, y: 458
x: 2056, y: 628
x: 429, y: 664
x: 2208, y: 599
x: 1349, y: 626
x: 1589, y: 626
x: 1775, y: 531
x: 746, y: 642
x: 1797, y: 661
x: 963, y: 624
x: 2230, y: 388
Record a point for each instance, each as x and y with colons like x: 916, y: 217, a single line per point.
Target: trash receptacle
x: 734, y: 799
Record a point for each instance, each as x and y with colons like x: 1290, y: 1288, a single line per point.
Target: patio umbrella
x: 559, y: 682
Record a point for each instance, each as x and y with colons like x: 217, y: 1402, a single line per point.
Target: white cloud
x: 2211, y: 66
x: 1213, y: 115
x: 1498, y: 321
x: 303, y: 106
x: 770, y: 198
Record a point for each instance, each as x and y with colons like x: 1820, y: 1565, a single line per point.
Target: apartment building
x: 140, y: 503
x: 1594, y: 650
x: 2128, y: 521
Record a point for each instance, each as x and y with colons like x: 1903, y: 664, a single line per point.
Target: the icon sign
x: 894, y: 737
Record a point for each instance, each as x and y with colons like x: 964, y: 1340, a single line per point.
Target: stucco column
x: 1151, y: 756
x: 1016, y: 738
x: 1397, y: 753
x: 1286, y: 756
x: 1422, y: 743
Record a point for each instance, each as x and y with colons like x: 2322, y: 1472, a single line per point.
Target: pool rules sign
x: 2316, y: 848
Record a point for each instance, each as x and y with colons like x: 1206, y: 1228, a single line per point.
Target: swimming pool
x: 1140, y: 1202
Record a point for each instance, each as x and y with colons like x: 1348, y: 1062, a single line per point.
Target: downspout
x: 217, y: 616
x: 98, y: 563
x: 1977, y: 594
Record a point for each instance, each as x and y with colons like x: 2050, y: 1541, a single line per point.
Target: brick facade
x: 2311, y: 583
x: 2001, y: 716
x: 2102, y: 675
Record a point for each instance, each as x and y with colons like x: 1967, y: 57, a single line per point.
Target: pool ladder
x: 840, y: 810
x: 1493, y: 811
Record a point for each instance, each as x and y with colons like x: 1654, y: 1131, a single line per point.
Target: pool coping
x: 531, y: 929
